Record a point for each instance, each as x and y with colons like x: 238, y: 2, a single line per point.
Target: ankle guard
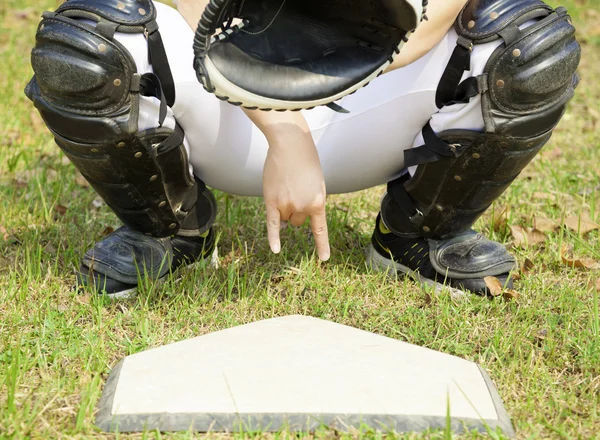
x: 525, y: 88
x: 87, y: 89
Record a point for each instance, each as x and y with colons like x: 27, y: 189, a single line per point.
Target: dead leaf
x: 37, y: 122
x: 107, y: 231
x: 61, y: 209
x: 24, y: 14
x: 80, y: 180
x: 526, y: 236
x: 552, y: 154
x: 3, y: 233
x: 598, y: 284
x: 494, y: 285
x: 510, y: 294
x: 543, y: 196
x: 50, y: 249
x: 566, y: 255
x: 527, y: 266
x: 544, y: 224
x: 541, y: 335
x: 84, y: 299
x: 581, y: 224
x: 19, y: 183
x: 500, y: 217
x: 97, y: 203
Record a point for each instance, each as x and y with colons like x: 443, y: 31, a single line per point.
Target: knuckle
x: 320, y: 230
x: 273, y: 223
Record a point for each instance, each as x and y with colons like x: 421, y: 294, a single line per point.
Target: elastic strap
x: 405, y: 203
x: 157, y: 57
x: 433, y: 149
x: 150, y: 85
x: 460, y: 61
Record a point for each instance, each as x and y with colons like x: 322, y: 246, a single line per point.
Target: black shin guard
x: 525, y: 87
x: 87, y: 89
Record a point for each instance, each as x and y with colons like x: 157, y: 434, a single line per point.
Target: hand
x: 294, y: 187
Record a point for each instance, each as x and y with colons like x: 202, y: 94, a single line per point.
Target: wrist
x: 279, y: 125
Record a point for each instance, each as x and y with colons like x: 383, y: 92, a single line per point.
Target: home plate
x: 298, y: 373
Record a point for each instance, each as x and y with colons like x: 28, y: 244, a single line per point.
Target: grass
x: 57, y: 347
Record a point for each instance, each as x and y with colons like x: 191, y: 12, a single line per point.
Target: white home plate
x: 297, y: 373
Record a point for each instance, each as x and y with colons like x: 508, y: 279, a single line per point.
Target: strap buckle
x: 417, y: 217
x: 465, y: 42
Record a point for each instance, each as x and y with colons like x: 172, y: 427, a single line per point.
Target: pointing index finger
x: 318, y: 224
x: 273, y: 225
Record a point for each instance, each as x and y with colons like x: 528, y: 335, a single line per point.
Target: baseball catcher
x: 462, y: 96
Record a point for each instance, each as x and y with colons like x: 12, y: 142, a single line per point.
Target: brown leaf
x: 494, y: 285
x: 510, y: 294
x: 80, y: 180
x: 50, y: 249
x: 526, y: 236
x: 84, y: 299
x: 594, y: 285
x: 108, y: 230
x: 24, y: 14
x: 552, y: 154
x: 541, y: 335
x: 569, y: 260
x: 19, y: 183
x: 527, y: 266
x: 3, y: 233
x: 500, y: 217
x: 544, y: 224
x: 37, y: 122
x: 543, y: 196
x: 581, y: 224
x: 61, y: 209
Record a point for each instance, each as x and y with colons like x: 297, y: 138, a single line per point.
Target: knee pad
x: 87, y: 89
x: 525, y: 87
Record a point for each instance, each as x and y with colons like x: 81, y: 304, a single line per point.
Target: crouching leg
x: 426, y: 219
x: 87, y: 89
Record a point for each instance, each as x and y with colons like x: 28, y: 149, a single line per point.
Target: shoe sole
x: 225, y: 90
x: 381, y: 264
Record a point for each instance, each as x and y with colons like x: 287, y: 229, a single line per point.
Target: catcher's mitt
x: 294, y: 54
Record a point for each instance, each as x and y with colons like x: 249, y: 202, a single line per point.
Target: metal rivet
x: 153, y: 178
x: 172, y: 226
x: 457, y: 178
x: 138, y: 155
x: 471, y: 24
x: 117, y: 82
x: 162, y: 204
x: 494, y: 15
x: 120, y: 6
x: 142, y: 11
x: 426, y: 229
x: 120, y: 144
x: 516, y: 53
x: 476, y: 155
x: 102, y: 47
x: 94, y: 150
x: 500, y: 83
x: 439, y: 208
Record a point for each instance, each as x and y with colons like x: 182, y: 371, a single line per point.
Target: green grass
x: 57, y: 347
